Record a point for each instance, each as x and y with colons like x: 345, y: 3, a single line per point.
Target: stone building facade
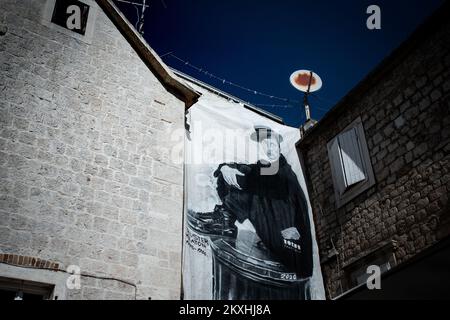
x: 403, y: 107
x: 86, y: 174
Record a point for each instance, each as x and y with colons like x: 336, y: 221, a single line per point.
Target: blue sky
x: 258, y: 44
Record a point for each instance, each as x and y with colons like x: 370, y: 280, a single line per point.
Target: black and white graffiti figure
x: 272, y: 206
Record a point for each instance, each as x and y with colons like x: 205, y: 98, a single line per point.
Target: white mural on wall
x: 248, y: 224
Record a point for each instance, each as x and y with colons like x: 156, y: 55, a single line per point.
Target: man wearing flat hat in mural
x: 265, y: 198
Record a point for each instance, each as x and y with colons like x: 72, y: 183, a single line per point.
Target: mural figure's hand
x: 230, y: 176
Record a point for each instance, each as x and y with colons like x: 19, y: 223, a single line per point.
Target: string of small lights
x: 289, y: 103
x: 224, y: 81
x: 274, y: 105
x: 285, y: 106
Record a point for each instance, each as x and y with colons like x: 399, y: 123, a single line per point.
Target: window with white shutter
x: 350, y: 163
x: 336, y: 162
x: 350, y: 154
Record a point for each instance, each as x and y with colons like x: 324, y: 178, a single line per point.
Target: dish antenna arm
x: 305, y: 98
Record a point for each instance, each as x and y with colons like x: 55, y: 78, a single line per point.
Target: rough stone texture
x: 85, y: 173
x: 406, y: 119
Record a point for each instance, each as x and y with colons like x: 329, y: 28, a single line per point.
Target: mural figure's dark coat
x: 272, y: 203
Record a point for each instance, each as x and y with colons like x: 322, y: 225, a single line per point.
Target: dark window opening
x: 356, y: 271
x: 16, y: 289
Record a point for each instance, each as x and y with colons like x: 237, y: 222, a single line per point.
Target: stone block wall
x: 405, y: 112
x: 86, y: 176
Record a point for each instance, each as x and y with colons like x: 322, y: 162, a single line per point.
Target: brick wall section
x: 406, y: 119
x: 85, y: 139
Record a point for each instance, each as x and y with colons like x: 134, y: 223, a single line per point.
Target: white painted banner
x: 248, y: 223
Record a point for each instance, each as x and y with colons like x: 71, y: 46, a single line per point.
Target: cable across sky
x: 289, y: 102
x: 224, y: 81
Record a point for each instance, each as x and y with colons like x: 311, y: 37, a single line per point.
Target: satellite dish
x: 302, y: 80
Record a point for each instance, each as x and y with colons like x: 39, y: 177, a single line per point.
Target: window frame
x: 84, y: 16
x: 91, y: 18
x: 356, y: 189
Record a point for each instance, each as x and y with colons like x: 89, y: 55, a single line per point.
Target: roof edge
x: 148, y: 55
x: 228, y: 96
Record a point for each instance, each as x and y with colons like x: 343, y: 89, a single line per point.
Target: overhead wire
x: 288, y: 102
x: 224, y: 81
